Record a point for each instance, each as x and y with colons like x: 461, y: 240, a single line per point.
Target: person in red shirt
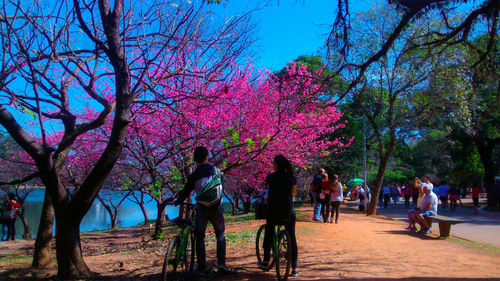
x: 325, y: 198
x: 10, y: 222
x: 475, y: 198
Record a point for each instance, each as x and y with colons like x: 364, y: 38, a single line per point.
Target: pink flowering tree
x: 72, y: 67
x: 243, y: 121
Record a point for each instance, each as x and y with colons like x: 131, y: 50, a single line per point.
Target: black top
x: 279, y: 199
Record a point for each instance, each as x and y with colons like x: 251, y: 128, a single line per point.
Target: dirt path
x: 359, y: 247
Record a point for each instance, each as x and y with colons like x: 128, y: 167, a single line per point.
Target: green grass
x: 11, y: 259
x: 239, y: 218
x: 241, y: 237
x: 476, y: 245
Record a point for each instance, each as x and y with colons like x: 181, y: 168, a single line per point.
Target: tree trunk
x: 485, y: 150
x: 112, y: 215
x: 26, y: 226
x: 144, y: 213
x: 68, y: 246
x: 42, y: 256
x: 372, y: 208
x: 160, y: 219
x: 113, y: 221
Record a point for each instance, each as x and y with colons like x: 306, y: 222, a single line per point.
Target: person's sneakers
x: 264, y: 265
x: 295, y: 272
x: 427, y: 230
x: 410, y: 227
x: 223, y: 269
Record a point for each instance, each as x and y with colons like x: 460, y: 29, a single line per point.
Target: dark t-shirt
x: 279, y: 199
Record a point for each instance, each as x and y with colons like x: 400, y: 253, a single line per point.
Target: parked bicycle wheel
x: 284, y: 257
x: 176, y: 265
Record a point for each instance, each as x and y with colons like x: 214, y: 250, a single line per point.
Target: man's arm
x: 184, y: 193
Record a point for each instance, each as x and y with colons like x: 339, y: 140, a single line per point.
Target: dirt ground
x: 357, y: 248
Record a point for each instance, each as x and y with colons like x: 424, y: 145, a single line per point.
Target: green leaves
x: 31, y: 113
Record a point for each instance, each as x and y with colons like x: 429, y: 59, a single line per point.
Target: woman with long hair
x: 282, y: 186
x: 336, y: 198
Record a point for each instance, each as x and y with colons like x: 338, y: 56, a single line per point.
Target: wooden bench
x: 444, y: 224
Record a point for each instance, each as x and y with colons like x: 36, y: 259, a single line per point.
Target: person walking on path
x: 282, y: 186
x: 206, y: 178
x: 325, y: 197
x: 386, y: 191
x: 394, y: 193
x: 407, y: 191
x: 9, y: 216
x: 336, y: 197
x: 454, y: 197
x: 444, y: 191
x: 475, y: 199
x: 315, y: 191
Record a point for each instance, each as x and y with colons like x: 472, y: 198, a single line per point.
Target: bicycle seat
x: 182, y: 222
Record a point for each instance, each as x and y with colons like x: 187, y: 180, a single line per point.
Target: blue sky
x: 291, y: 28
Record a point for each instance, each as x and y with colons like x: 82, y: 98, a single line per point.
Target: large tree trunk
x: 42, y: 256
x: 68, y: 247
x: 485, y: 150
x: 379, y: 180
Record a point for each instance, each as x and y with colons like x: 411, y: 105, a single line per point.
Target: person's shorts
x: 427, y: 213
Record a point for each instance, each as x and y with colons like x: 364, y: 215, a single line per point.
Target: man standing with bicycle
x: 207, y: 184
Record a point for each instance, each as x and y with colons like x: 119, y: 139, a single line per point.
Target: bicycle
x: 179, y: 259
x: 281, y: 254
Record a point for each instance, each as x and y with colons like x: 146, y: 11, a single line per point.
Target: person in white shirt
x: 429, y: 206
x: 337, y: 197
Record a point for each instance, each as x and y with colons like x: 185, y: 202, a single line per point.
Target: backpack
x: 211, y: 192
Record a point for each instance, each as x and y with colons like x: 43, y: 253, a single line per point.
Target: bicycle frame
x: 275, y: 247
x: 184, y: 235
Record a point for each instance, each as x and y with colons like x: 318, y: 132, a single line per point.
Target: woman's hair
x: 283, y: 165
x: 324, y: 176
x: 334, y: 177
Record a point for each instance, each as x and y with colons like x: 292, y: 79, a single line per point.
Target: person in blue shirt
x: 444, y: 191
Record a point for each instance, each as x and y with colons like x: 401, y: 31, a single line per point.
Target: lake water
x: 97, y: 218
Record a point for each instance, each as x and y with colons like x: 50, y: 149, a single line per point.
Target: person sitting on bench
x: 428, y: 208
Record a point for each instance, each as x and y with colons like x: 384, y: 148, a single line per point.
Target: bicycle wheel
x: 259, y: 243
x: 284, y: 256
x: 169, y: 270
x: 173, y: 267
